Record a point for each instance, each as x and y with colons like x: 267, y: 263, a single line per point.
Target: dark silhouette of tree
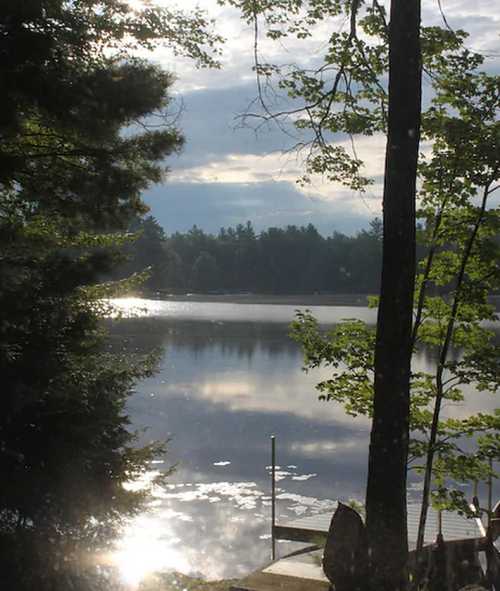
x: 68, y: 172
x: 146, y: 250
x: 291, y: 260
x: 205, y: 272
x: 386, y: 519
x: 346, y: 95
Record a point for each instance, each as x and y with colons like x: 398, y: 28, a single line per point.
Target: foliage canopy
x: 77, y: 148
x: 458, y: 178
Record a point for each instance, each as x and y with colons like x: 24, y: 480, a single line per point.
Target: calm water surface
x: 229, y: 378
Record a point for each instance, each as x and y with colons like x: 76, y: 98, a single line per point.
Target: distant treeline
x: 290, y: 260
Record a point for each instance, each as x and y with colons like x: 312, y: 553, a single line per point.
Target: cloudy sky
x: 228, y: 174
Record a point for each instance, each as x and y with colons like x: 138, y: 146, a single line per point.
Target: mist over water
x: 229, y: 378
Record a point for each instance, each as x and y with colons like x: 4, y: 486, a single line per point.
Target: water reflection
x: 149, y: 544
x: 217, y: 529
x: 224, y: 385
x: 214, y: 311
x: 223, y: 338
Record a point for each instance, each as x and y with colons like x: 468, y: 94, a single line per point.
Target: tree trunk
x: 386, y: 489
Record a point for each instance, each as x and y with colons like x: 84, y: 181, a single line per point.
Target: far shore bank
x: 349, y: 299
x: 269, y: 299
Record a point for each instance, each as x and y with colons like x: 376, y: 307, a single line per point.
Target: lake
x: 228, y: 379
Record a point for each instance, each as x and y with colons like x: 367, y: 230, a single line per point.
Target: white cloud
x: 241, y: 168
x: 248, y: 169
x: 277, y: 166
x: 219, y: 154
x: 177, y: 206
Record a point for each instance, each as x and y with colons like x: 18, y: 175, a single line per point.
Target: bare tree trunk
x: 386, y: 489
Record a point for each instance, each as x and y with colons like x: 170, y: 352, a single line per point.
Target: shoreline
x: 348, y: 299
x: 174, y: 581
x: 267, y: 299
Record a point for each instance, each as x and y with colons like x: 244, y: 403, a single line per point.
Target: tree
x: 462, y: 254
x: 366, y: 258
x: 146, y: 251
x: 175, y: 271
x: 66, y: 450
x: 204, y: 274
x: 386, y: 488
x: 69, y: 177
x: 458, y: 272
x: 278, y: 260
x: 65, y: 101
x: 351, y: 76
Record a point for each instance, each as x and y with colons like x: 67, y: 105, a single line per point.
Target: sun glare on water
x: 145, y: 548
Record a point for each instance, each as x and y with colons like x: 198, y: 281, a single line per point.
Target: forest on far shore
x: 290, y: 260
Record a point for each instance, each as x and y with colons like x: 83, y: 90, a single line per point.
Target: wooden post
x: 273, y: 495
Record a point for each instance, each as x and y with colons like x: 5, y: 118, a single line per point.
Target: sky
x: 229, y: 173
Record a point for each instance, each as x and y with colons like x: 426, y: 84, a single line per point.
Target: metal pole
x: 490, y: 493
x: 475, y: 496
x: 273, y: 495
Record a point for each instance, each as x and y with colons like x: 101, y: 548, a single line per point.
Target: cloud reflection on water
x: 223, y: 387
x: 223, y: 531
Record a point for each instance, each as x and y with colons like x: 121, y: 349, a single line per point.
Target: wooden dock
x: 313, y: 529
x: 302, y: 571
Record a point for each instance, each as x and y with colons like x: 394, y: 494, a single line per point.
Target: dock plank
x: 262, y: 581
x: 313, y: 528
x: 298, y: 569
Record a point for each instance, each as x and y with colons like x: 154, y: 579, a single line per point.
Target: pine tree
x: 70, y: 179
